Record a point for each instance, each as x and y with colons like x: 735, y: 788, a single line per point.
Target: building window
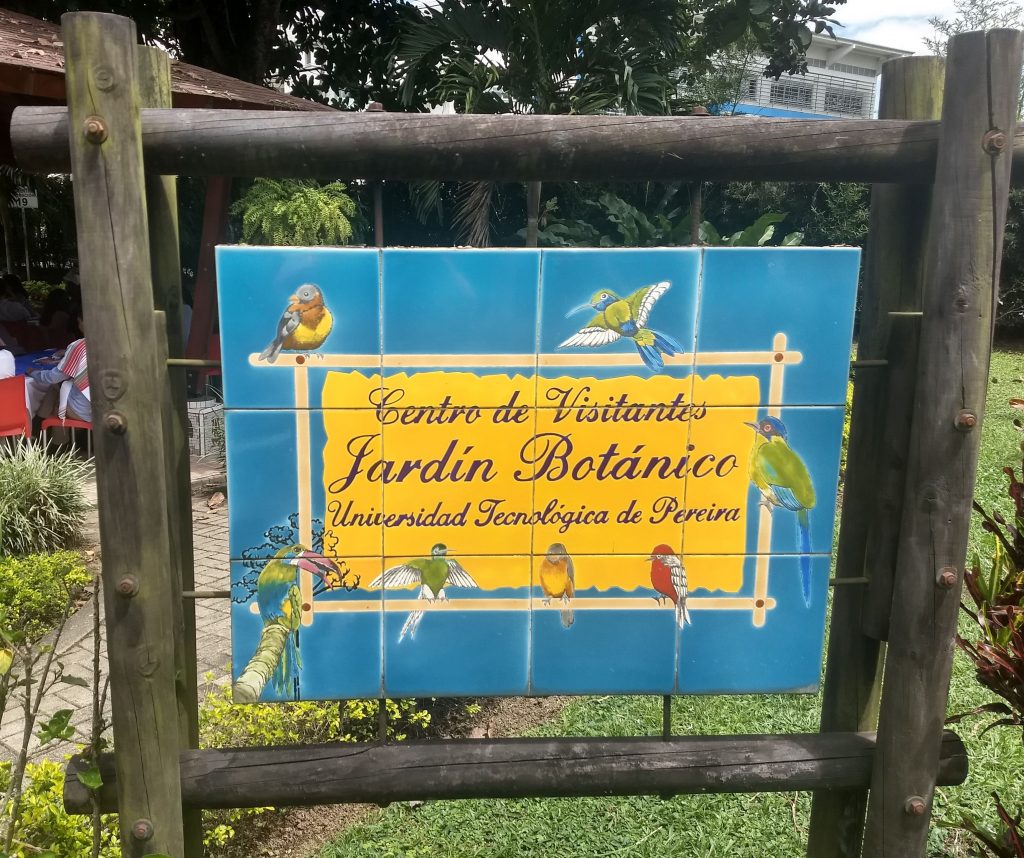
x: 857, y: 70
x: 792, y: 94
x: 750, y: 89
x: 844, y: 101
x: 817, y: 64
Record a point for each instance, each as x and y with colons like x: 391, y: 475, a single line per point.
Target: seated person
x: 43, y: 386
x: 6, y: 361
x: 11, y: 309
x: 56, y: 315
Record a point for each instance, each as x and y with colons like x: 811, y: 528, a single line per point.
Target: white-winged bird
x: 304, y: 325
x: 432, y: 573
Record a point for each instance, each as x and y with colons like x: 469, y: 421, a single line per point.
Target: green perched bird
x: 280, y: 604
x: 432, y: 573
x: 783, y: 480
x: 626, y: 317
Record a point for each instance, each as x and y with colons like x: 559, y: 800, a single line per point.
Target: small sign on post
x: 24, y: 198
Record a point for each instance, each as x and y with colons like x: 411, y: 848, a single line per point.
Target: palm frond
x: 472, y: 217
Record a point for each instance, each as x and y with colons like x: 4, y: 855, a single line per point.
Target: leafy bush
x: 43, y: 823
x: 998, y: 652
x: 293, y: 212
x: 42, y: 498
x: 34, y: 590
x: 38, y: 290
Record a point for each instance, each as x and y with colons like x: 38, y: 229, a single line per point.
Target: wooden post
x: 124, y: 376
x: 965, y: 238
x: 911, y: 89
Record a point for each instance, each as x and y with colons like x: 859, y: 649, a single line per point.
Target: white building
x: 840, y: 82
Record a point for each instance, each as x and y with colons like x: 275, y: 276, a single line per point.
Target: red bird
x: 668, y: 577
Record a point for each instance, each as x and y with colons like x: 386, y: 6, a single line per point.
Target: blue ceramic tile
x: 750, y: 295
x: 453, y: 306
x: 722, y: 650
x: 255, y: 287
x: 338, y: 653
x: 474, y: 642
x: 265, y: 473
x: 579, y: 290
x: 725, y: 503
x: 579, y: 646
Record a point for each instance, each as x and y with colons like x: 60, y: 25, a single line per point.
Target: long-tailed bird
x: 668, y: 577
x: 279, y: 601
x: 783, y: 480
x: 432, y: 573
x: 626, y: 317
x: 304, y: 326
x: 558, y: 580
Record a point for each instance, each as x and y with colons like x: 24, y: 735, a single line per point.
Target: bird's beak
x: 579, y: 309
x: 293, y: 299
x: 753, y: 426
x: 316, y: 564
x: 651, y: 559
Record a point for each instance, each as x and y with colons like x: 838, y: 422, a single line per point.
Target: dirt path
x: 305, y: 830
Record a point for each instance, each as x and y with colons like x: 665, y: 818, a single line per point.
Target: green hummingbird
x: 626, y: 317
x: 432, y: 573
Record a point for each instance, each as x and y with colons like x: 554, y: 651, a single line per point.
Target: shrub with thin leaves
x: 42, y: 498
x: 293, y: 212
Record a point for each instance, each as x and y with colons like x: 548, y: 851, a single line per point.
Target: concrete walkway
x: 75, y: 649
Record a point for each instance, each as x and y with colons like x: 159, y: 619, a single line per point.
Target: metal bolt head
x: 95, y: 129
x: 966, y: 420
x: 116, y: 423
x: 994, y: 141
x: 375, y: 106
x: 142, y: 829
x: 947, y: 577
x: 128, y: 586
x: 915, y: 806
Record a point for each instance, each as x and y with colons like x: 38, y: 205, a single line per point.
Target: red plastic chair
x: 14, y: 416
x: 204, y: 374
x: 70, y: 423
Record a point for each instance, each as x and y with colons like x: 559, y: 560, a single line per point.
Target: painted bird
x: 558, y: 580
x: 783, y: 480
x: 626, y: 317
x: 668, y: 577
x: 432, y: 573
x: 279, y: 601
x: 304, y: 325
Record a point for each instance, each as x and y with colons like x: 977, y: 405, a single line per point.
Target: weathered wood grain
x: 508, y: 768
x: 965, y: 236
x: 412, y: 146
x: 113, y: 247
x: 154, y: 77
x: 911, y: 88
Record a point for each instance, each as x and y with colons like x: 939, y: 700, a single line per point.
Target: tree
x: 973, y: 15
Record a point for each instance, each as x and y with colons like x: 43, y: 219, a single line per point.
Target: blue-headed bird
x: 432, y: 573
x: 304, y: 325
x: 784, y: 481
x: 626, y: 317
x: 279, y: 602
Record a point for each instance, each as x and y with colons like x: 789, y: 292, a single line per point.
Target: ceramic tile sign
x: 508, y: 472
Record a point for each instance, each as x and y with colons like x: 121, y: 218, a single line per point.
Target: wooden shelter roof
x: 32, y: 72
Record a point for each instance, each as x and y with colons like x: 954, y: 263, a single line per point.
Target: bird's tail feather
x: 270, y: 353
x: 287, y: 666
x: 650, y: 356
x: 412, y: 623
x: 666, y: 343
x: 568, y: 616
x: 803, y: 529
x: 682, y: 613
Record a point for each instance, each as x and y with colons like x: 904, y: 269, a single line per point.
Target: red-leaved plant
x: 998, y: 653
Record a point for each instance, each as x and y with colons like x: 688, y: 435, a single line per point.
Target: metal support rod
x: 666, y: 716
x: 192, y: 362
x: 206, y: 594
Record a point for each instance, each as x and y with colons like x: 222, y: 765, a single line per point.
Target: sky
x: 892, y: 23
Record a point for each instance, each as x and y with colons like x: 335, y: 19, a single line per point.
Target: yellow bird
x: 304, y: 326
x: 558, y: 580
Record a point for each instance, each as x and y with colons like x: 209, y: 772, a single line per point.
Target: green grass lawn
x: 730, y: 826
